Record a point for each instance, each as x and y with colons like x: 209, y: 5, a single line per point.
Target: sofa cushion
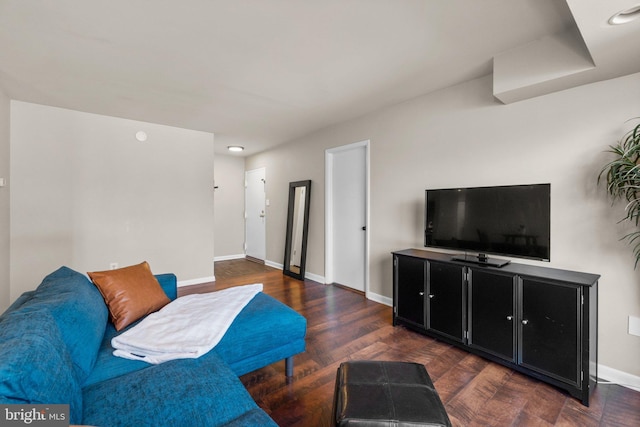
x: 264, y: 332
x: 169, y: 284
x: 35, y: 366
x: 109, y: 366
x: 130, y: 293
x: 186, y: 392
x: 79, y: 312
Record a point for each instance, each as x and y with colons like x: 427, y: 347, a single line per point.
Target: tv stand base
x: 539, y: 321
x: 481, y: 259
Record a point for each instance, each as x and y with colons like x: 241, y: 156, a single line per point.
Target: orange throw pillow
x: 130, y: 293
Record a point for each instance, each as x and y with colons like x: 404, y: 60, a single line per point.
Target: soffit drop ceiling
x: 263, y: 72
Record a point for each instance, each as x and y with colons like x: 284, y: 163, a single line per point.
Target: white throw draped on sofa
x: 188, y: 327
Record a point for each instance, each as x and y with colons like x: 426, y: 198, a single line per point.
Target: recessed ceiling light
x: 141, y: 136
x: 235, y: 148
x: 625, y: 16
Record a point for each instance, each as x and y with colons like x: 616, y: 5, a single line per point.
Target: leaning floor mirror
x: 295, y: 249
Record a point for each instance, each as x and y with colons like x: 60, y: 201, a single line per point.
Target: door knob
x: 509, y: 317
x: 421, y: 294
x: 431, y: 295
x: 525, y: 321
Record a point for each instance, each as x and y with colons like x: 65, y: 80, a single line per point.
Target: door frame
x: 328, y: 215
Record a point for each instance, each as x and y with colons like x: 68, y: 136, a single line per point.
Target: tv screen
x: 507, y: 220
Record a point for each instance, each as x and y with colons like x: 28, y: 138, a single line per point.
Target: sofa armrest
x: 169, y: 284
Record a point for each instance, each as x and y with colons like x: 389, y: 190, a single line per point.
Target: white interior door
x: 255, y: 214
x: 347, y: 216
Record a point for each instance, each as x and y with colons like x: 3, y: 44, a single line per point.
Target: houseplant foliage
x: 623, y: 181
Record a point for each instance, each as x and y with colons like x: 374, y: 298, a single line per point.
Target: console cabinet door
x: 446, y: 302
x: 492, y: 313
x: 549, y: 329
x: 410, y: 289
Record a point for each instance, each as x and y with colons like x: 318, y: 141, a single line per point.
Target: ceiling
x: 263, y: 72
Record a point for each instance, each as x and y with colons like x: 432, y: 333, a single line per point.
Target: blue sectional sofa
x: 55, y: 348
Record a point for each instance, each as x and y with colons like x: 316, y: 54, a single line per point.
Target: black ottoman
x: 370, y: 393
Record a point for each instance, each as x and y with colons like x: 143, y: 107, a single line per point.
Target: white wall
x: 284, y: 164
x: 461, y: 136
x: 85, y: 193
x: 229, y: 206
x: 4, y: 201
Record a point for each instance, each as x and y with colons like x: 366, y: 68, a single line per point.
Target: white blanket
x: 188, y: 327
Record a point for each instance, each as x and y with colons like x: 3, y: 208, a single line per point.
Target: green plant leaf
x: 622, y: 175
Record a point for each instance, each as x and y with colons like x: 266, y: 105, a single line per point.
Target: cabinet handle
x: 421, y: 294
x: 431, y: 295
x: 525, y: 321
x: 509, y: 317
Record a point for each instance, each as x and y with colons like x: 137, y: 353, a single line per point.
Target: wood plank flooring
x: 343, y: 325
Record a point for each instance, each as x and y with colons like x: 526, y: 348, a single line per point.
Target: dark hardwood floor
x: 343, y: 325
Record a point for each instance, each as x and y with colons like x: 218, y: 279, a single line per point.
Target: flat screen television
x: 512, y: 221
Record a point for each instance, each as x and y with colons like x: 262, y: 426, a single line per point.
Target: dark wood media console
x: 536, y: 320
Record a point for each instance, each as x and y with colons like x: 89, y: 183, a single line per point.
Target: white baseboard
x: 618, y: 377
x: 228, y: 257
x: 273, y: 264
x: 315, y: 277
x: 307, y: 275
x: 198, y: 281
x: 380, y: 298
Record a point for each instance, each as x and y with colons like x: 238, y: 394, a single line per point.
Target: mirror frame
x: 286, y: 268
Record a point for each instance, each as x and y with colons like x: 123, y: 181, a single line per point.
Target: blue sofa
x: 55, y: 348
